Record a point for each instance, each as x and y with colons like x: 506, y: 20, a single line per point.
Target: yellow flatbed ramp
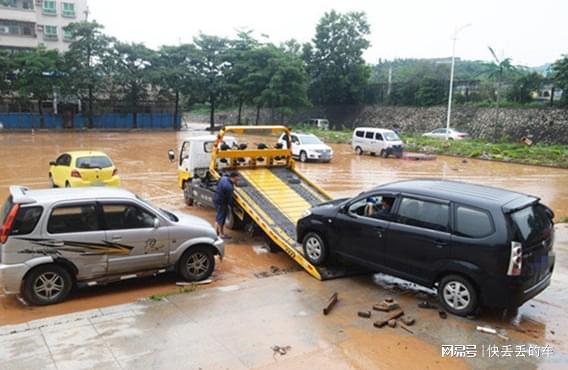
x: 275, y: 198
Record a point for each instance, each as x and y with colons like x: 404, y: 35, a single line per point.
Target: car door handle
x: 379, y: 231
x: 440, y: 243
x: 116, y: 237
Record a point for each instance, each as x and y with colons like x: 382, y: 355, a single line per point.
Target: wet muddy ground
x: 143, y: 165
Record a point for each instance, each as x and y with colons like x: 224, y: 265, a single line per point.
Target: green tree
x: 212, y: 63
x: 132, y: 70
x: 85, y: 62
x: 6, y: 71
x: 287, y: 84
x: 560, y: 77
x: 38, y: 74
x: 338, y: 71
x: 496, y: 71
x: 524, y: 86
x: 174, y: 71
x: 240, y: 56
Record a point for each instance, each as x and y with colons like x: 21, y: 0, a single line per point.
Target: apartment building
x: 30, y: 23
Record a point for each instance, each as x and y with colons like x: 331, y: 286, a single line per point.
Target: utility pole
x: 454, y: 37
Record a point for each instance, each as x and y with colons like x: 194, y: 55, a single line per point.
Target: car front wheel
x: 457, y: 295
x: 303, y: 157
x: 47, y: 284
x: 315, y: 249
x: 196, y: 264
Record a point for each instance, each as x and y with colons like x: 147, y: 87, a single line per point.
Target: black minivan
x: 478, y: 245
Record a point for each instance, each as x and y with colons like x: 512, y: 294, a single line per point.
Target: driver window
x: 378, y: 137
x: 184, y: 152
x: 295, y: 140
x: 375, y: 206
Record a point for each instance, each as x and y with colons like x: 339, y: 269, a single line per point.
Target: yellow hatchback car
x: 83, y: 168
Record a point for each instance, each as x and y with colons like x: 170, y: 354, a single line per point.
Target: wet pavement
x: 252, y: 304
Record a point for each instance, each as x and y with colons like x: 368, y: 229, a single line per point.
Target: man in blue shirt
x: 221, y: 200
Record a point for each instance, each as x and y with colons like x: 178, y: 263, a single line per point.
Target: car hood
x: 194, y: 221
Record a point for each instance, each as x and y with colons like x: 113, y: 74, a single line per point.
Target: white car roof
x: 23, y: 195
x: 374, y: 129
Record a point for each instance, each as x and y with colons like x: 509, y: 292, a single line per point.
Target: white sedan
x: 308, y: 147
x: 451, y: 134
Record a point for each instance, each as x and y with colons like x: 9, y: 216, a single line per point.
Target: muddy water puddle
x: 141, y: 159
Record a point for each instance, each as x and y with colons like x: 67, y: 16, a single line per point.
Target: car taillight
x: 7, y: 227
x: 115, y: 172
x: 75, y: 173
x: 516, y: 259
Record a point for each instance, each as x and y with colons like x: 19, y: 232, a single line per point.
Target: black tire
x: 384, y: 153
x: 67, y: 184
x: 187, y: 194
x: 232, y: 221
x: 457, y: 295
x: 315, y: 249
x: 358, y: 150
x: 47, y: 284
x: 51, y: 182
x: 303, y: 156
x: 197, y: 263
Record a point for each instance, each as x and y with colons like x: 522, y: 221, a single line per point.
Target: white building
x: 30, y: 23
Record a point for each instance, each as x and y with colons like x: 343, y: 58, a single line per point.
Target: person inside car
x: 385, y: 208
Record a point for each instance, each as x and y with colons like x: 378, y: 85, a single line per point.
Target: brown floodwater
x: 141, y: 158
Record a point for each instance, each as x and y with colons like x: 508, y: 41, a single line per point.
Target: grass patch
x: 327, y: 136
x: 183, y: 290
x: 539, y: 154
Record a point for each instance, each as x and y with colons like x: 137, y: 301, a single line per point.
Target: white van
x: 376, y: 141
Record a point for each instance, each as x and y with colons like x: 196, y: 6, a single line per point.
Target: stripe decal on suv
x: 85, y: 249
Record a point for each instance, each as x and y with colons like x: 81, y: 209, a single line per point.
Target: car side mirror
x: 52, y: 163
x: 156, y: 223
x: 171, y: 155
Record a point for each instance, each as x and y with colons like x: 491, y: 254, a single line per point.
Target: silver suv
x: 54, y: 239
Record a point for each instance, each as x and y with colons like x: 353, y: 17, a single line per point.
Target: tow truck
x: 271, y: 195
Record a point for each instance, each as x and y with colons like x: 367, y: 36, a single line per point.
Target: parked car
x: 308, y: 147
x: 477, y: 245
x: 54, y: 239
x: 376, y: 141
x: 83, y: 168
x: 319, y: 123
x: 451, y: 134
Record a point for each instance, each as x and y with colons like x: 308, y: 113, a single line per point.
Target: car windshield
x: 310, y: 140
x: 5, y: 209
x: 532, y: 222
x: 170, y: 216
x: 99, y: 161
x: 391, y: 136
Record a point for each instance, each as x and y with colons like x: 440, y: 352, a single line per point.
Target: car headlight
x: 306, y: 213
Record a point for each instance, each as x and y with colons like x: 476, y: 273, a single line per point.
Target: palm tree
x: 496, y: 71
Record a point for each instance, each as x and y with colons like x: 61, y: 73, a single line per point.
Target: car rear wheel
x: 315, y: 249
x: 358, y: 150
x: 196, y: 264
x: 47, y: 284
x: 187, y: 194
x: 457, y: 295
x: 303, y: 156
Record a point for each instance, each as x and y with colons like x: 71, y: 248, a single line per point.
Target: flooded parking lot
x: 141, y: 158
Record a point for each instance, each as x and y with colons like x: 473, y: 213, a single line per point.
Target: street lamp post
x: 455, y: 37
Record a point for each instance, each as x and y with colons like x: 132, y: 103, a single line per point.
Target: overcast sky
x: 530, y: 32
